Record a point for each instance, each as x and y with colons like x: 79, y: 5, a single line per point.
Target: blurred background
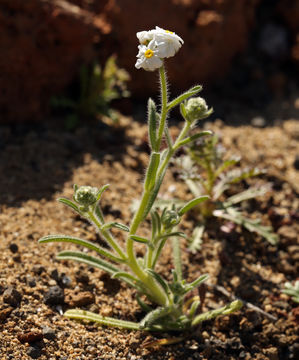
x: 75, y: 58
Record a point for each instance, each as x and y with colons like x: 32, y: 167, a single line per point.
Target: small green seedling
x: 168, y: 307
x: 292, y: 290
x: 206, y: 171
x: 97, y: 88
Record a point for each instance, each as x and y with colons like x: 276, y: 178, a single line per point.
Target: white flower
x: 148, y: 57
x: 156, y: 45
x: 167, y: 41
x: 145, y: 37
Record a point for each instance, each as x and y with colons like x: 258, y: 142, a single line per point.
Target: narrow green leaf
x: 168, y: 137
x: 160, y: 280
x: 116, y: 225
x: 194, y: 137
x: 154, y: 225
x: 197, y: 282
x: 176, y: 233
x: 70, y: 204
x: 193, y: 308
x: 153, y: 316
x: 192, y: 203
x: 183, y: 111
x: 225, y: 310
x: 250, y: 193
x: 123, y: 274
x: 143, y: 305
x: 140, y: 239
x: 158, y: 252
x: 89, y: 260
x: 103, y: 320
x: 101, y: 190
x: 134, y: 282
x: 152, y: 124
x: 191, y: 92
x: 226, y: 164
x: 150, y: 178
x: 78, y: 241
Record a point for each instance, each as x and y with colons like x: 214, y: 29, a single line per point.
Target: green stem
x: 177, y: 257
x: 172, y: 150
x: 103, y: 320
x: 156, y: 292
x: 106, y: 234
x: 164, y: 105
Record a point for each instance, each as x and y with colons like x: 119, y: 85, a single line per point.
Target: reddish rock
x: 30, y: 336
x: 46, y: 41
x: 42, y: 45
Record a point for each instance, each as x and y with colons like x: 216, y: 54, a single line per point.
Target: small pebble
x: 65, y: 280
x: 30, y: 336
x: 296, y: 163
x: 12, y: 297
x: 54, y: 296
x: 49, y: 333
x: 34, y: 352
x: 55, y: 275
x: 38, y: 270
x: 258, y: 121
x: 31, y: 281
x: 13, y: 248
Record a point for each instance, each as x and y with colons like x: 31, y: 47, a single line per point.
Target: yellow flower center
x: 169, y: 32
x: 148, y: 53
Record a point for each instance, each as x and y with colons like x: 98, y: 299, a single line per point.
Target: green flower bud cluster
x: 86, y: 195
x: 170, y: 218
x: 196, y: 109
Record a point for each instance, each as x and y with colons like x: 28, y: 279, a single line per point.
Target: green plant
x: 205, y: 170
x: 171, y: 309
x: 97, y: 88
x: 292, y: 290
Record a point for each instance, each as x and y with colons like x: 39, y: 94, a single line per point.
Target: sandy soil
x: 39, y: 164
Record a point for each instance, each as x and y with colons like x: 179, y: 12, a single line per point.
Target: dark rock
x: 17, y: 258
x: 49, y: 333
x: 12, y: 297
x: 34, y: 352
x: 31, y: 281
x: 296, y: 163
x: 55, y: 275
x: 38, y: 269
x: 13, y: 248
x: 54, y: 296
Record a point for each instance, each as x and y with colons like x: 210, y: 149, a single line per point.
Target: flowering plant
x: 206, y: 170
x: 171, y: 309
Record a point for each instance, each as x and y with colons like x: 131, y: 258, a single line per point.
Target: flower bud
x: 86, y: 195
x: 170, y: 218
x: 196, y: 109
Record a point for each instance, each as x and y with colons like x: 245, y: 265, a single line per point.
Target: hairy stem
x: 107, y: 236
x: 164, y: 105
